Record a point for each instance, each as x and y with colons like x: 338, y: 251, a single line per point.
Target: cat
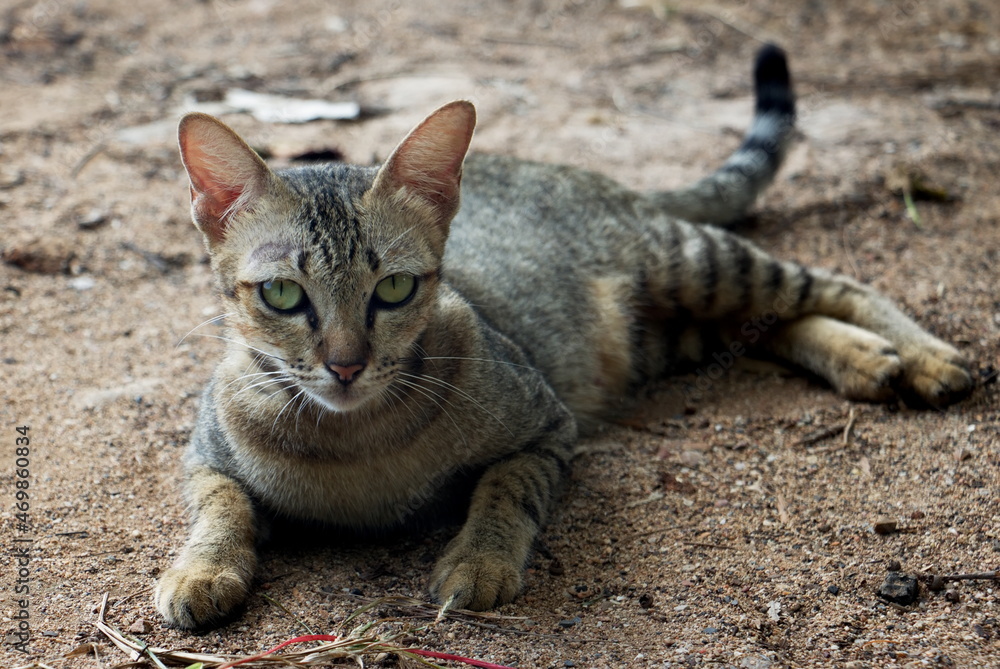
x: 394, y: 355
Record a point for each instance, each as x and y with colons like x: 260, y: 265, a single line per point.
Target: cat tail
x: 724, y: 196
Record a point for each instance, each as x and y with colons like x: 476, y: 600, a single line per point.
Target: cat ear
x: 427, y: 165
x: 226, y: 175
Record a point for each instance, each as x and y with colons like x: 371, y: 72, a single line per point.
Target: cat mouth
x: 340, y: 399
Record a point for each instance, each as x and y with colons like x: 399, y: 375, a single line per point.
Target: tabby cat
x: 393, y: 355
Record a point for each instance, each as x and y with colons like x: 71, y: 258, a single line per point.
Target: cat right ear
x: 426, y: 167
x: 226, y: 175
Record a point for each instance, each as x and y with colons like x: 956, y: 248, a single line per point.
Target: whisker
x: 240, y: 343
x: 430, y: 394
x: 264, y: 384
x: 291, y: 385
x: 401, y: 235
x: 249, y: 376
x: 203, y: 324
x: 294, y: 397
x: 461, y: 393
x: 499, y: 362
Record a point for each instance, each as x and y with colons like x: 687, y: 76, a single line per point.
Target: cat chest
x: 363, y: 495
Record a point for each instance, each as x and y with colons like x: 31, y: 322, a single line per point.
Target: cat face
x: 339, y: 313
x: 329, y: 273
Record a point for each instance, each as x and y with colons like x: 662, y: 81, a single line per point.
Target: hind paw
x: 934, y: 374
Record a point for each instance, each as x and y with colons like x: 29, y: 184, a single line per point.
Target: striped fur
x: 558, y: 292
x: 724, y: 197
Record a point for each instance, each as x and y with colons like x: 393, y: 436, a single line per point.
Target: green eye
x: 395, y: 289
x: 282, y: 294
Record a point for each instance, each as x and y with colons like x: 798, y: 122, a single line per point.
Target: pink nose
x: 346, y: 373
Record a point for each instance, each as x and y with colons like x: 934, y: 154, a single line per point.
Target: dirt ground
x: 730, y: 524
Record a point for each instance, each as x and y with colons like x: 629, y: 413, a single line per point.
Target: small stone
x: 51, y: 635
x: 569, y: 663
x: 917, y: 515
x: 140, y: 626
x: 711, y: 630
x: 833, y: 590
x: 899, y: 588
x: 556, y: 568
x: 566, y: 624
x: 981, y: 631
x: 885, y: 526
x: 93, y: 219
x: 952, y: 596
x: 937, y: 583
x: 646, y: 600
x: 756, y: 662
x: 82, y: 283
x: 893, y: 565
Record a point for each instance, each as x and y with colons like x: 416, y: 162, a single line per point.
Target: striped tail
x: 724, y: 196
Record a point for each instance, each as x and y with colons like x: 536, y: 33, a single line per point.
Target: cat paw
x: 200, y: 594
x: 867, y: 369
x: 934, y: 374
x: 466, y: 579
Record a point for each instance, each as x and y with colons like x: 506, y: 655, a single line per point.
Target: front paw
x: 934, y: 374
x: 201, y: 594
x: 479, y: 580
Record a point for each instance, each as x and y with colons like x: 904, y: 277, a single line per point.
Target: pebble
x: 569, y: 663
x: 894, y: 565
x: 646, y: 600
x: 885, y: 526
x: 917, y: 515
x: 93, y: 219
x: 899, y: 588
x: 140, y: 626
x: 833, y: 590
x: 556, y: 568
x: 952, y: 596
x: 82, y: 283
x: 566, y: 624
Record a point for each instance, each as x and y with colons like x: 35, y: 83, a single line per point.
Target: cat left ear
x: 226, y: 175
x: 427, y: 165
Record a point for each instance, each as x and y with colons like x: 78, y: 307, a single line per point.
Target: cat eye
x: 282, y: 294
x: 396, y: 289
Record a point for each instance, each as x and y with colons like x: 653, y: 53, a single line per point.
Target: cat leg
x: 933, y: 372
x: 859, y: 364
x: 213, y: 574
x: 707, y: 274
x: 482, y: 567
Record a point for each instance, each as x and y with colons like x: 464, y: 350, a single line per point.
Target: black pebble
x: 899, y: 588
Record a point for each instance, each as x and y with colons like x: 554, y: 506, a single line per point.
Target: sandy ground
x: 730, y: 524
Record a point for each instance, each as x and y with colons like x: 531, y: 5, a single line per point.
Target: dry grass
x: 357, y: 644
